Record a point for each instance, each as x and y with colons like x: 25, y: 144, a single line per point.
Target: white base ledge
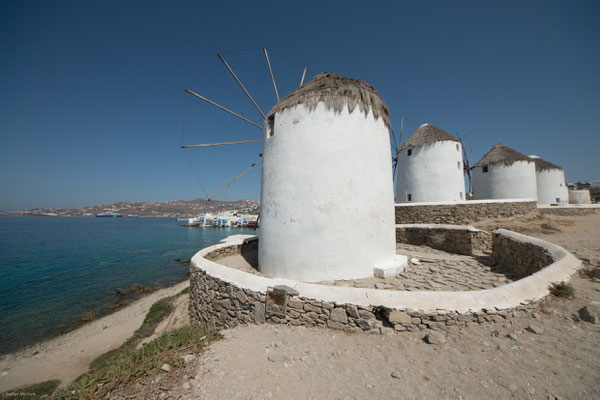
x: 392, y: 268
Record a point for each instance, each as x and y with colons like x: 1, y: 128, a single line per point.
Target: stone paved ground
x: 428, y: 269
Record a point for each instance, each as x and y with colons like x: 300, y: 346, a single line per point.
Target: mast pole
x: 241, y: 85
x: 238, y: 177
x: 271, y: 71
x: 303, y: 74
x: 222, y: 108
x: 219, y: 144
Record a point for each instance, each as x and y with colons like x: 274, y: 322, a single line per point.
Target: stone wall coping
x: 464, y: 202
x: 239, y: 239
x: 570, y: 206
x: 554, y: 250
x: 440, y: 226
x: 523, y: 291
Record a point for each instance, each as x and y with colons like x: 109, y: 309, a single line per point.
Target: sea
x: 54, y: 269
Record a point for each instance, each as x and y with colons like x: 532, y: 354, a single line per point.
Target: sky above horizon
x: 92, y: 107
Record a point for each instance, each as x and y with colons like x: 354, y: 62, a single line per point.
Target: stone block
x: 338, y: 315
x: 591, y: 312
x: 335, y: 325
x: 296, y: 304
x: 364, y: 314
x: 392, y: 268
x: 312, y: 315
x: 367, y: 324
x: 310, y: 307
x: 259, y: 313
x: 399, y: 317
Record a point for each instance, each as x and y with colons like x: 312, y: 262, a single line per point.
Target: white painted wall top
x: 442, y: 203
x: 531, y: 288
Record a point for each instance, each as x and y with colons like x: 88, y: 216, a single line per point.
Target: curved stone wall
x: 461, y: 213
x: 223, y: 297
x: 459, y: 239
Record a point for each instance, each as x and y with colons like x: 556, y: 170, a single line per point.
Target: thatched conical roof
x: 335, y: 92
x: 501, y: 153
x: 426, y: 134
x: 543, y: 165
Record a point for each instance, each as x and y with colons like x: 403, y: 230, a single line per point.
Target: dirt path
x: 478, y: 362
x: 68, y: 356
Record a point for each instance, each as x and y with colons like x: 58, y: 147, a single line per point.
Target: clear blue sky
x: 92, y: 101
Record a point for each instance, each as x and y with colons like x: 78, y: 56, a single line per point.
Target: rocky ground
x: 550, y: 354
x: 428, y: 269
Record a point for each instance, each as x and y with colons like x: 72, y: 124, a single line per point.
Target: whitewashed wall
x: 551, y: 186
x: 515, y: 181
x: 327, y: 203
x: 579, y: 197
x: 433, y: 172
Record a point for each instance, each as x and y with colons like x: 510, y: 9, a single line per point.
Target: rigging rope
x: 182, y: 141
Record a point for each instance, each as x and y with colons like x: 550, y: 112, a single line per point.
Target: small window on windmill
x: 409, y: 152
x: 558, y: 199
x: 458, y: 164
x: 461, y: 195
x: 560, y: 184
x: 270, y: 127
x: 484, y: 169
x: 457, y: 148
x: 409, y: 197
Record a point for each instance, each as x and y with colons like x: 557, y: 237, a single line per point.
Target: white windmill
x: 327, y: 204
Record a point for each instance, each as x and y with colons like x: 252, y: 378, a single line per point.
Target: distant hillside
x: 170, y: 208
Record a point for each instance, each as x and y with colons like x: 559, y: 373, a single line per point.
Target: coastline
x: 67, y: 356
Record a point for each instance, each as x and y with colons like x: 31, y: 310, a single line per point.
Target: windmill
x: 237, y: 115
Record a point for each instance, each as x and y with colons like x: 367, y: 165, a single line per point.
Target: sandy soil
x: 477, y: 362
x: 68, y: 356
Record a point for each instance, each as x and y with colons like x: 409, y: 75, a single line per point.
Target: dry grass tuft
x: 562, y: 290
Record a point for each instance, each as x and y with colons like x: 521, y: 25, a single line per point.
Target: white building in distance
x: 430, y: 167
x: 504, y: 173
x: 551, y: 185
x: 580, y: 197
x: 327, y: 201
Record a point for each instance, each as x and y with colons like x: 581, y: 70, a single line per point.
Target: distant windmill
x: 259, y: 126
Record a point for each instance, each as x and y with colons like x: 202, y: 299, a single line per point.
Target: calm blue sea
x: 55, y: 269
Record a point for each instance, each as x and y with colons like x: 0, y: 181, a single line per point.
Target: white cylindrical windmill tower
x: 327, y: 202
x: 551, y: 184
x: 430, y: 167
x: 504, y: 173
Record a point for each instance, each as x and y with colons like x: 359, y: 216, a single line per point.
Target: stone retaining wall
x: 461, y: 213
x: 593, y: 209
x: 451, y: 238
x: 223, y: 297
x: 219, y: 305
x: 247, y: 245
x: 522, y: 256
